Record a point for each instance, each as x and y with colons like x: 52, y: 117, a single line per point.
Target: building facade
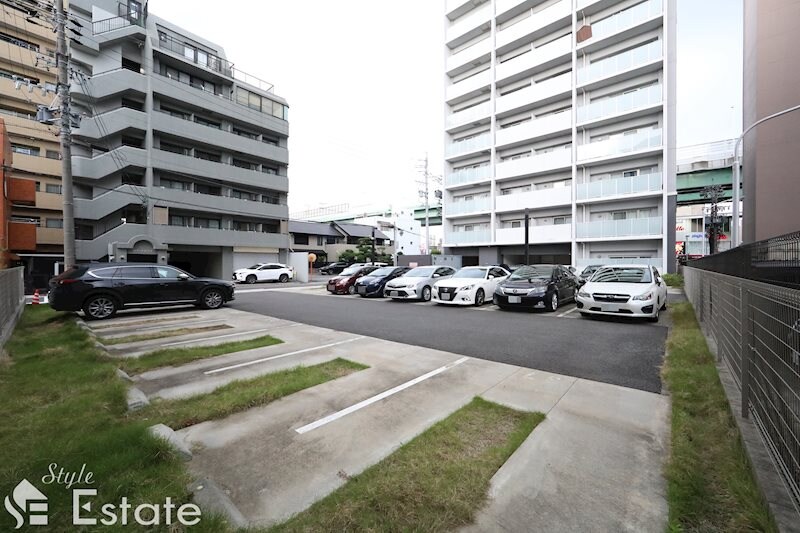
x: 328, y: 239
x: 35, y: 219
x: 771, y: 151
x: 180, y: 157
x: 565, y: 108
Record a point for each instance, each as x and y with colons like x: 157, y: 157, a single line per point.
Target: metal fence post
x: 745, y: 351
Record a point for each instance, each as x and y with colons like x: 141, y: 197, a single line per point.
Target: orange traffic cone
x: 35, y: 297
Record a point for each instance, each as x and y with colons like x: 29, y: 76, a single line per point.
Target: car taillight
x: 68, y: 281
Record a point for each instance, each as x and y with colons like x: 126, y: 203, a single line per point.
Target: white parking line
x: 565, y: 313
x: 378, y: 397
x: 217, y: 337
x: 256, y: 361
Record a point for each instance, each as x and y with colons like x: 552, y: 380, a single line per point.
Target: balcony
x: 538, y: 58
x: 645, y: 261
x: 50, y: 201
x: 469, y: 116
x: 621, y: 144
x: 35, y: 164
x: 106, y: 164
x: 628, y: 18
x: 455, y: 6
x: 466, y: 207
x: 614, y: 65
x: 468, y: 57
x: 21, y: 191
x: 49, y: 236
x: 468, y: 87
x: 110, y: 83
x: 642, y: 98
x: 616, y: 187
x: 614, y: 229
x: 460, y: 238
x: 111, y: 122
x: 468, y: 176
x: 536, y: 199
x: 536, y: 234
x: 541, y: 20
x: 561, y: 158
x: 469, y: 26
x: 537, y: 93
x: 469, y: 146
x: 22, y: 236
x: 546, y: 126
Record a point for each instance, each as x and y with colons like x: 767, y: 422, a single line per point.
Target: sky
x: 364, y: 80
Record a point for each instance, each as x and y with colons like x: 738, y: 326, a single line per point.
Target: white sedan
x: 264, y: 272
x: 624, y: 290
x: 469, y: 286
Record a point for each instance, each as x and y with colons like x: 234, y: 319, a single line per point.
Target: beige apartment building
x: 36, y: 224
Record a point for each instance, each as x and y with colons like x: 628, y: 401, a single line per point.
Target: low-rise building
x: 329, y: 239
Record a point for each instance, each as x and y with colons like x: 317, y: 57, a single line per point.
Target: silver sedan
x: 416, y: 284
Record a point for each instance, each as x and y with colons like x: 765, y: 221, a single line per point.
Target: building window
x: 174, y: 148
x: 244, y: 195
x: 207, y: 122
x: 330, y: 240
x: 239, y: 225
x: 558, y: 221
x: 245, y: 164
x: 53, y: 154
x: 52, y: 188
x: 208, y: 189
x: 270, y: 140
x: 177, y: 220
x: 243, y: 133
x: 55, y: 223
x: 300, y: 238
x: 130, y: 64
x: 209, y: 223
x: 269, y: 170
x: 19, y: 42
x: 269, y: 198
x: 25, y: 149
x: 208, y: 156
x: 176, y: 184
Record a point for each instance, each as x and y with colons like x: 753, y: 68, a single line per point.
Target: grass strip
x: 673, y: 280
x: 62, y: 402
x: 142, y: 322
x: 161, y: 334
x: 241, y: 395
x: 436, y: 482
x: 711, y: 486
x: 179, y: 356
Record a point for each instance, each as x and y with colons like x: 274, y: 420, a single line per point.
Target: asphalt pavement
x: 613, y: 351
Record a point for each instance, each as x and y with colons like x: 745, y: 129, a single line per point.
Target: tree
x: 348, y: 256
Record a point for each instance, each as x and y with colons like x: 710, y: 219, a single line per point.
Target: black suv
x: 103, y: 289
x: 534, y: 285
x: 333, y: 268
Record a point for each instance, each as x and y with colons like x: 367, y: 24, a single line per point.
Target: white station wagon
x: 624, y: 290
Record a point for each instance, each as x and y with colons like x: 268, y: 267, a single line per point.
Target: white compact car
x: 264, y: 272
x: 417, y: 283
x: 624, y: 290
x: 469, y: 286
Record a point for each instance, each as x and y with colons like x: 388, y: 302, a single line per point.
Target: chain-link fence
x: 12, y: 301
x: 756, y: 328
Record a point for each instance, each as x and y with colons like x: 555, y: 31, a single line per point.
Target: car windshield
x: 622, y: 275
x: 420, y: 272
x: 533, y: 272
x: 588, y: 271
x: 256, y: 266
x: 381, y: 272
x: 350, y: 271
x: 474, y: 273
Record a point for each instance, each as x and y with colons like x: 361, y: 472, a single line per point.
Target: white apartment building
x: 565, y: 108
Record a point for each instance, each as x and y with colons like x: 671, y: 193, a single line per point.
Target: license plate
x: 444, y: 296
x: 610, y: 308
x: 515, y: 299
x: 394, y: 293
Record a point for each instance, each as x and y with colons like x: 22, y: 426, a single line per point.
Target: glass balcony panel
x: 550, y: 51
x: 468, y: 206
x: 584, y: 262
x: 538, y: 91
x: 471, y: 114
x: 538, y: 163
x: 620, y: 186
x: 625, y: 19
x: 607, y: 107
x: 467, y: 85
x: 630, y: 227
x: 474, y: 144
x: 620, y: 62
x: 535, y: 128
x: 467, y: 237
x: 535, y: 199
x: 536, y: 21
x: 468, y: 175
x: 536, y: 234
x: 620, y: 144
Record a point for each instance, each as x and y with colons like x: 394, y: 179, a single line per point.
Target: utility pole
x: 424, y: 192
x: 713, y: 193
x: 62, y: 62
x: 372, y: 259
x: 527, y: 237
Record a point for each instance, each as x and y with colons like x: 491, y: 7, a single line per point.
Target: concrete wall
x: 771, y: 155
x: 12, y: 301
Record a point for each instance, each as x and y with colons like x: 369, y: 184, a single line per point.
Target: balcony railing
x: 468, y: 175
x: 645, y: 96
x: 620, y: 186
x: 536, y: 56
x: 474, y: 144
x: 467, y: 237
x: 629, y: 227
x: 531, y: 129
x: 584, y: 262
x: 535, y: 164
x: 115, y: 23
x: 625, y: 19
x: 536, y: 21
x: 535, y: 199
x: 471, y: 114
x: 621, y: 144
x: 620, y: 62
x: 544, y: 233
x: 476, y: 205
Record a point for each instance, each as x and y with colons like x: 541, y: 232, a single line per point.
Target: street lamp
x: 737, y: 179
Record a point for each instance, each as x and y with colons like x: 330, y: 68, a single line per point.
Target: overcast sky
x: 365, y: 84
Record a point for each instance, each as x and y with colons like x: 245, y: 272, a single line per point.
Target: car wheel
x: 654, y: 318
x: 575, y: 295
x: 100, y: 307
x: 351, y: 290
x: 212, y: 299
x: 284, y: 278
x: 552, y: 302
x: 426, y: 294
x: 664, y: 306
x: 251, y: 279
x: 480, y: 297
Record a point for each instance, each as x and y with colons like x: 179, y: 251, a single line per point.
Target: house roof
x: 335, y: 229
x: 361, y: 230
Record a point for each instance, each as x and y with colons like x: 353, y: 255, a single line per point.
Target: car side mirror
x: 183, y: 277
x: 437, y: 275
x: 491, y: 277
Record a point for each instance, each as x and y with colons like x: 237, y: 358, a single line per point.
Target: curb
x: 124, y: 375
x: 167, y: 434
x: 211, y: 497
x: 136, y: 399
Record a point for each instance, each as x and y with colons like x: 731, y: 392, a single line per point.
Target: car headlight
x: 499, y: 290
x: 466, y: 288
x: 644, y: 297
x: 537, y: 291
x: 583, y: 294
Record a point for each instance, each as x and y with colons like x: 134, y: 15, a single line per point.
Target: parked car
x: 587, y: 272
x: 344, y: 283
x: 333, y: 268
x: 102, y: 289
x: 373, y: 283
x: 536, y: 285
x: 624, y: 290
x: 469, y: 286
x: 417, y: 284
x: 572, y: 272
x: 264, y: 272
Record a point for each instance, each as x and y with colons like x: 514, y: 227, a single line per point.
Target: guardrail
x: 12, y: 301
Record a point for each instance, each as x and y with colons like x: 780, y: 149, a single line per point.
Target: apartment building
x: 35, y: 223
x: 180, y: 157
x: 564, y: 108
